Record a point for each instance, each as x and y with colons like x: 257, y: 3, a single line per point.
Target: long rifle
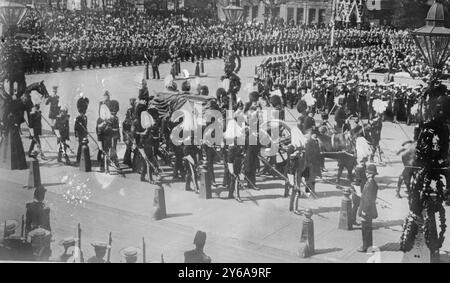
x: 108, y: 257
x: 143, y: 251
x: 79, y: 243
x: 286, y: 179
x: 102, y: 151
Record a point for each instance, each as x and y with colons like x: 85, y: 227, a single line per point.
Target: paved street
x: 258, y: 230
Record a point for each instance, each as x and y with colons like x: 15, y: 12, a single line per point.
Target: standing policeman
x: 368, y: 208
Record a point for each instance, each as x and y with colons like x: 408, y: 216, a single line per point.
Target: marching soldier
x: 40, y: 240
x: 35, y: 131
x: 53, y: 100
x: 340, y: 116
x: 130, y: 254
x: 234, y: 160
x: 62, y: 133
x: 128, y: 133
x: 368, y: 208
x: 197, y: 255
x: 67, y: 244
x: 38, y: 213
x: 81, y: 123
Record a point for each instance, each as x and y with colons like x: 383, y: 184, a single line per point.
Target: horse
x: 340, y: 147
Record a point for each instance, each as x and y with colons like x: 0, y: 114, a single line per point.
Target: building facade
x: 298, y: 11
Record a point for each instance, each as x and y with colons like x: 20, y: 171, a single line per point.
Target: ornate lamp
x: 434, y: 38
x: 233, y: 13
x: 11, y: 13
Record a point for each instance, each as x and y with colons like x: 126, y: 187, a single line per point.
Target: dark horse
x: 340, y: 147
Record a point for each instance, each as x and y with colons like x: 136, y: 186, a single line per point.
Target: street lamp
x: 427, y: 192
x: 11, y: 14
x: 233, y: 13
x: 434, y: 38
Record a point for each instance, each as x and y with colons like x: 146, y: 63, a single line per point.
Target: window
x: 246, y: 12
x: 290, y: 14
x: 312, y: 16
x: 254, y: 12
x: 322, y: 16
x: 300, y: 18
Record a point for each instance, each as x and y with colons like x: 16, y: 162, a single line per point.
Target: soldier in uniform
x: 35, y: 131
x: 234, y: 160
x: 197, y: 255
x: 100, y: 249
x: 130, y: 254
x: 81, y: 123
x: 368, y: 208
x: 67, y: 244
x: 40, y: 239
x: 340, y: 116
x: 128, y: 133
x: 38, y: 213
x: 62, y: 133
x: 53, y: 100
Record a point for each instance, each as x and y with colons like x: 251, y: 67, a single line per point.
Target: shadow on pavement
x: 326, y: 251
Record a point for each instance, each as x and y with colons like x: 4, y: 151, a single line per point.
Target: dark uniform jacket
x: 54, y: 107
x: 62, y: 124
x: 368, y: 207
x: 36, y: 123
x: 80, y: 127
x: 196, y: 256
x: 37, y: 215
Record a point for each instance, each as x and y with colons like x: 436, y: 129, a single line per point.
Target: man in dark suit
x: 368, y: 207
x: 155, y: 65
x: 197, y: 255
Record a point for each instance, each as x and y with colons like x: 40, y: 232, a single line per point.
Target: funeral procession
x: 224, y: 131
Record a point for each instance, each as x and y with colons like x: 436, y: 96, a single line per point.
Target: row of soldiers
x: 324, y: 90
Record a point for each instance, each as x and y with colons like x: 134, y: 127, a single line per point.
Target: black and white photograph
x: 224, y: 131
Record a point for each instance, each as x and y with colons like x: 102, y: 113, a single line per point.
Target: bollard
x: 345, y: 217
x: 197, y: 70
x: 159, y: 203
x: 306, y: 248
x: 85, y: 159
x: 34, y: 175
x: 202, y: 67
x: 205, y: 182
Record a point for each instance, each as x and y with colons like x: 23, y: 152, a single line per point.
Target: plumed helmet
x: 114, y: 106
